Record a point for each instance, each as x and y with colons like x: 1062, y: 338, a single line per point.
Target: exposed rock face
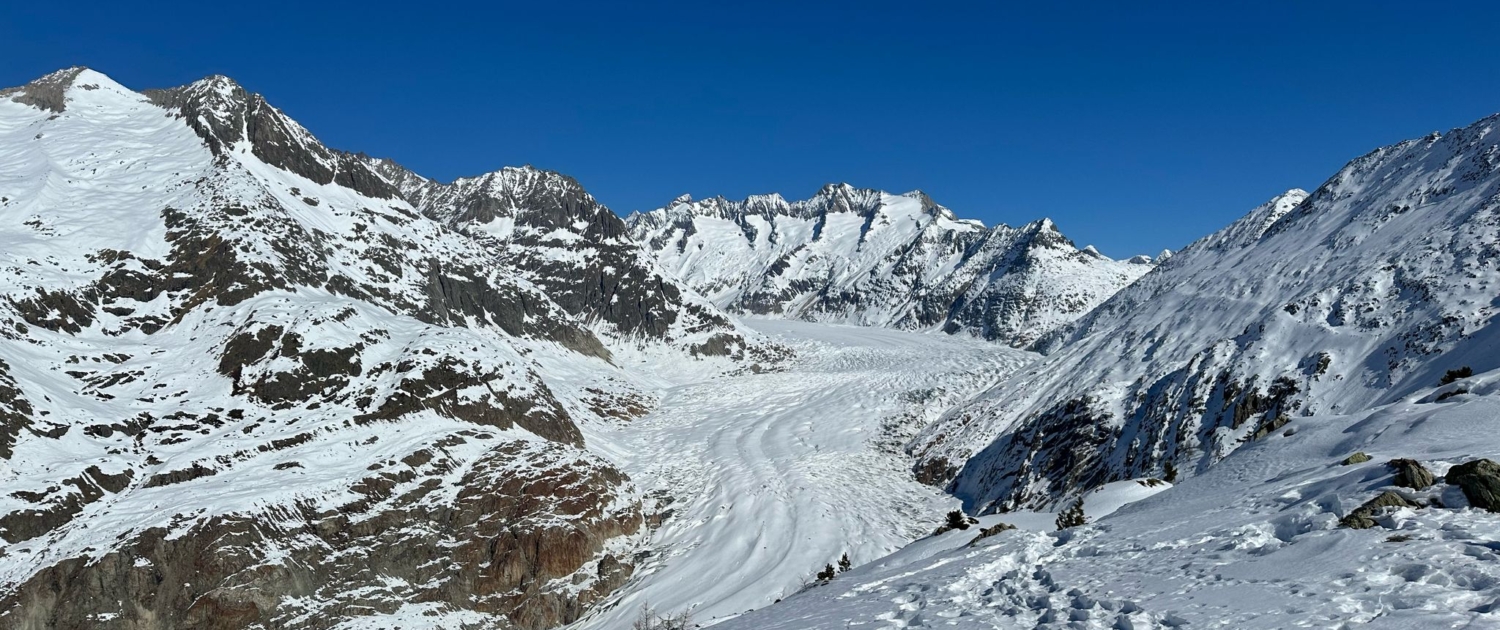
x: 46, y: 93
x: 546, y: 225
x: 866, y: 257
x: 1362, y: 292
x: 493, y: 548
x: 1480, y: 481
x: 245, y: 384
x: 15, y: 412
x: 224, y: 115
x: 1410, y: 473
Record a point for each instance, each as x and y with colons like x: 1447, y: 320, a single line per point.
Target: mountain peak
x: 50, y: 92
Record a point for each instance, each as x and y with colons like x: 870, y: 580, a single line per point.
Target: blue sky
x: 1136, y: 126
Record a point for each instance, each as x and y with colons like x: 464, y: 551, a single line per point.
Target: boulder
x: 1480, y: 481
x: 1357, y: 458
x: 1410, y: 473
x: 1363, y: 516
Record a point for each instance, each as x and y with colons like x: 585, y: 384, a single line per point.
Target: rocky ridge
x: 861, y: 256
x: 1355, y: 295
x: 245, y: 383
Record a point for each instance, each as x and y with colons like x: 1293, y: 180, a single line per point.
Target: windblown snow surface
x: 1252, y: 543
x: 768, y: 477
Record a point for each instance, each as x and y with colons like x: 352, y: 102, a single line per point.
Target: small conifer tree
x: 844, y: 563
x: 957, y: 520
x: 1453, y: 375
x: 1072, y: 517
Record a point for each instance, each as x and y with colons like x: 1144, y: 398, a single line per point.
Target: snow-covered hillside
x: 249, y: 381
x: 865, y: 257
x: 761, y: 479
x: 1355, y: 295
x: 1253, y: 543
x: 243, y: 382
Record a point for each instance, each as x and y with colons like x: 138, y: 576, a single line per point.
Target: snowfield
x: 248, y: 381
x: 1253, y: 543
x: 768, y: 477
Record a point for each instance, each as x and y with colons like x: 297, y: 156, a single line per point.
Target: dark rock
x: 223, y: 113
x: 1480, y: 481
x: 1412, y: 474
x: 47, y: 93
x: 59, y: 508
x: 15, y: 411
x: 500, y: 547
x: 991, y: 531
x: 1363, y: 516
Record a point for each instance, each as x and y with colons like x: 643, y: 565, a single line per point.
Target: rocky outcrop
x: 1411, y: 474
x: 15, y: 411
x: 225, y: 114
x: 1480, y: 481
x: 523, y: 545
x: 1363, y: 517
x: 862, y: 256
x: 547, y: 226
x: 48, y: 93
x: 1332, y: 302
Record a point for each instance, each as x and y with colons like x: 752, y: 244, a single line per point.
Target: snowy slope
x: 545, y: 225
x: 243, y: 381
x: 865, y: 257
x: 764, y: 478
x: 1355, y: 295
x: 1253, y: 543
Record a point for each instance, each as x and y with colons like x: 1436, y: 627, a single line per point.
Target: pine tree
x: 957, y: 520
x: 1073, y: 516
x: 844, y: 563
x: 1169, y: 473
x: 827, y: 573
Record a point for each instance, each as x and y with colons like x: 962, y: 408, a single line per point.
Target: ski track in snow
x: 808, y: 482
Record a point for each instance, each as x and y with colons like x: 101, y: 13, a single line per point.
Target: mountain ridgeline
x: 251, y: 381
x: 1371, y: 287
x: 859, y: 256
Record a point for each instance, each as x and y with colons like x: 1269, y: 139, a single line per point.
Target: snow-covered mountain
x: 1270, y: 538
x: 866, y: 257
x: 1296, y: 409
x: 1353, y: 296
x: 574, y: 249
x: 244, y: 382
x: 249, y: 381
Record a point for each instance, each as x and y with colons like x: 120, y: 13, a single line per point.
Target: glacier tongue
x: 768, y: 477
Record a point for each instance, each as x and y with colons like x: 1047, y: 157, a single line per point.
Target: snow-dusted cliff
x: 1355, y: 295
x: 244, y: 382
x: 860, y: 256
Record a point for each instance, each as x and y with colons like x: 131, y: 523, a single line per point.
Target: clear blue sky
x: 1135, y: 125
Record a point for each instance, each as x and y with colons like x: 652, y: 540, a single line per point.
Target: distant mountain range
x: 860, y: 256
x: 251, y: 381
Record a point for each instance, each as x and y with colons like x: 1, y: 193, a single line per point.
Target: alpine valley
x: 251, y: 381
